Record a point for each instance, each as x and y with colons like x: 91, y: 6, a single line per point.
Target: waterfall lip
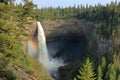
x: 38, y: 22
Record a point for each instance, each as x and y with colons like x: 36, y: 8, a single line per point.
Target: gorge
x: 64, y: 43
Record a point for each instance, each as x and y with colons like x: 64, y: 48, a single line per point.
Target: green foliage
x: 7, y: 74
x: 118, y: 77
x: 28, y: 9
x: 10, y: 32
x: 37, y: 69
x: 106, y: 70
x: 107, y: 16
x: 13, y: 20
x: 99, y: 73
x: 86, y: 72
x: 103, y: 65
x: 111, y: 72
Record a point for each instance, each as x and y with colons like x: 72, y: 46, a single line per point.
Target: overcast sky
x: 66, y: 3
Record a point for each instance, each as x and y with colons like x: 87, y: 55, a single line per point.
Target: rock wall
x: 76, y: 30
x: 63, y: 31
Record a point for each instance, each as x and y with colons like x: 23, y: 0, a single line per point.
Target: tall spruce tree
x: 28, y: 9
x: 103, y: 65
x: 111, y: 73
x: 99, y: 73
x: 86, y: 72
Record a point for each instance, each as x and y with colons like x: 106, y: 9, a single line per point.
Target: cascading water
x: 44, y: 58
x: 41, y: 53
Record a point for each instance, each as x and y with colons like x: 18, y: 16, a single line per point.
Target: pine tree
x: 28, y: 9
x: 111, y: 73
x: 103, y: 66
x: 74, y: 78
x: 99, y: 73
x: 86, y: 72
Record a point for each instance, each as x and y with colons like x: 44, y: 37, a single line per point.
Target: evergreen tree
x: 99, y: 73
x: 28, y: 9
x: 111, y: 73
x: 103, y: 62
x: 86, y: 72
x: 74, y: 78
x: 103, y: 65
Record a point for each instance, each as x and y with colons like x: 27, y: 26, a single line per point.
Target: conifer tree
x: 103, y: 63
x: 103, y: 66
x: 111, y: 72
x: 86, y: 72
x: 99, y: 73
x: 28, y: 9
x: 74, y: 78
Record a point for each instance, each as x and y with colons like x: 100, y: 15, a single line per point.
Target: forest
x: 14, y: 18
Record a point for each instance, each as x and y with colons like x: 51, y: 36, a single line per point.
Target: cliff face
x: 76, y: 30
x: 71, y: 39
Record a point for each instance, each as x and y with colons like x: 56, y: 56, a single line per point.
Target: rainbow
x: 32, y: 48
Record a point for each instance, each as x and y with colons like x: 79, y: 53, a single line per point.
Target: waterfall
x: 39, y: 51
x: 43, y: 52
x: 53, y: 64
